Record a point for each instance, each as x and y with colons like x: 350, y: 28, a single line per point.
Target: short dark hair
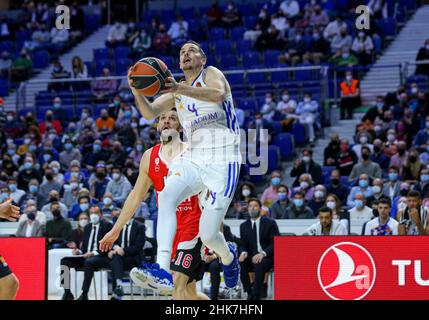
x: 255, y: 200
x: 325, y: 209
x: 394, y: 168
x: 385, y: 201
x: 84, y: 197
x: 413, y: 194
x: 308, y: 150
x: 299, y: 193
x: 283, y: 186
x: 365, y: 148
x: 203, y: 54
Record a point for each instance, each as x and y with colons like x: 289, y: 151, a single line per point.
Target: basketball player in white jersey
x: 211, y: 164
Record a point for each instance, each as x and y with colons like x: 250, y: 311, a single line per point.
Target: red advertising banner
x: 351, y: 268
x: 26, y: 257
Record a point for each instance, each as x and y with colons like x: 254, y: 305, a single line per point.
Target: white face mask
x: 349, y: 78
x: 115, y: 176
x: 331, y: 204
x: 414, y: 90
x: 83, y: 223
x: 307, y: 99
x: 95, y: 218
x: 391, y: 137
x: 268, y: 100
x: 246, y: 192
x: 304, y: 184
x: 319, y: 194
x: 363, y: 140
x: 56, y: 170
x: 73, y: 185
x: 107, y: 201
x: 306, y: 159
x: 285, y: 97
x: 376, y: 189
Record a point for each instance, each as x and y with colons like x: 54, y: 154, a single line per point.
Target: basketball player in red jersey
x: 186, y: 255
x: 8, y: 282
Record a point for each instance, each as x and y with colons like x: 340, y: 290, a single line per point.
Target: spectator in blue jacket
x: 422, y: 137
x: 379, y: 156
x: 308, y: 111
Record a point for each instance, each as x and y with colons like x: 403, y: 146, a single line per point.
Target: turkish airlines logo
x: 346, y: 271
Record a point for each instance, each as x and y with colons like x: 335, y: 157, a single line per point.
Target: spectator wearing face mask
x: 78, y: 233
x: 28, y: 173
x: 8, y: 166
x: 318, y: 49
x: 298, y: 209
x: 341, y: 40
x: 363, y: 47
x: 137, y: 153
x: 116, y: 36
x: 338, y: 212
x: 69, y: 154
x: 278, y: 209
x: 326, y: 226
x: 362, y: 187
x: 308, y: 111
x: 412, y: 168
x: 58, y: 176
x: 58, y: 230
x: 422, y: 185
x: 91, y: 159
x: 54, y: 197
x: 398, y: 159
x: 379, y: 156
x: 98, y: 182
x: 360, y: 211
x: 377, y: 192
x: 363, y: 139
x: 392, y: 186
x: 16, y: 194
x: 286, y: 106
x: 30, y: 227
x: 71, y: 192
x: 107, y: 205
x: 161, y: 42
x: 119, y: 186
x: 50, y: 122
x: 366, y: 166
x: 270, y: 194
x: 337, y: 188
x: 49, y: 184
x: 118, y: 155
x: 350, y: 96
x: 318, y: 200
x: 423, y: 54
x: 376, y: 112
x: 268, y: 109
x: 85, y: 120
x: 422, y: 137
x: 306, y: 165
x: 33, y: 194
x: 83, y: 203
x: 332, y: 150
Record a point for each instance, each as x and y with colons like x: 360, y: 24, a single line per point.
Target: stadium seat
x: 273, y: 158
x: 92, y: 22
x: 303, y: 75
x: 227, y: 61
x: 250, y: 59
x: 326, y: 173
x: 23, y: 35
x: 285, y: 142
x: 206, y: 47
x: 216, y: 34
x: 256, y: 78
x: 243, y: 46
x: 187, y: 13
x: 387, y: 27
x: 250, y: 22
x: 40, y: 59
x: 235, y: 79
x: 6, y: 46
x: 222, y: 47
x: 4, y: 88
x: 100, y: 65
x: 277, y: 125
x: 280, y: 76
x: 122, y: 52
x: 122, y: 66
x: 168, y: 60
x: 237, y: 33
x: 271, y: 57
x: 246, y: 104
x: 101, y: 54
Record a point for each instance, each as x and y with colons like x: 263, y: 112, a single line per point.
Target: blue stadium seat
x: 168, y: 60
x: 122, y: 66
x: 245, y: 9
x: 277, y: 125
x: 187, y: 13
x: 222, y: 47
x: 326, y: 173
x: 280, y: 76
x: 100, y: 65
x: 271, y: 57
x: 4, y: 88
x: 98, y: 108
x: 256, y: 78
x: 250, y: 59
x: 6, y: 46
x: 235, y: 79
x: 122, y: 52
x: 92, y: 22
x: 90, y: 67
x: 227, y: 61
x: 409, y: 4
x: 101, y: 54
x: 23, y: 35
x: 242, y: 46
x: 24, y: 111
x: 285, y: 142
x: 40, y: 59
x: 303, y: 75
x: 387, y: 27
x: 41, y: 111
x: 250, y: 22
x: 216, y: 34
x: 273, y: 158
x: 237, y: 33
x: 246, y: 104
x: 206, y: 48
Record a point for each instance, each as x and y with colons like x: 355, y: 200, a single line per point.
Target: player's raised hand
x: 108, y: 240
x: 8, y: 211
x: 171, y: 85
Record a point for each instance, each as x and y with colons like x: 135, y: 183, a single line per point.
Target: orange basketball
x: 149, y: 75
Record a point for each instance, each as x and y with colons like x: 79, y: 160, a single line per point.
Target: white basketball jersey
x: 208, y: 126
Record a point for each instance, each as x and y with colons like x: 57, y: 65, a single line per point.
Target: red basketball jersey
x: 188, y: 212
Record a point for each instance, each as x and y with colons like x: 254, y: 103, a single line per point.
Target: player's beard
x: 169, y: 135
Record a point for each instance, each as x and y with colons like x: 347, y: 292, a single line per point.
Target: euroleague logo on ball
x: 346, y: 271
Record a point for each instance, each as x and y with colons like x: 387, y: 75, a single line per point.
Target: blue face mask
x: 393, y: 176
x: 28, y: 165
x: 13, y: 187
x: 84, y: 206
x: 68, y: 146
x: 282, y: 196
x: 32, y: 188
x: 358, y: 204
x: 4, y: 196
x: 363, y: 183
x: 96, y: 148
x: 46, y: 157
x: 127, y: 114
x: 11, y: 152
x: 298, y: 202
x: 424, y: 177
x: 32, y: 148
x: 275, y: 181
x: 57, y: 105
x: 139, y: 148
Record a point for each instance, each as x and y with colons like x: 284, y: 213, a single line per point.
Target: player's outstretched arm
x: 215, y: 90
x: 132, y: 203
x: 9, y: 211
x: 149, y: 110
